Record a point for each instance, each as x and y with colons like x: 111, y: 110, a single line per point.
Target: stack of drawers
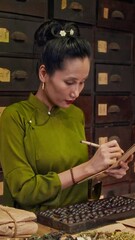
x: 113, y: 86
x: 18, y: 56
x: 114, y: 81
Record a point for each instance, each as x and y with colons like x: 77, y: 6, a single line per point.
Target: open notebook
x: 124, y: 158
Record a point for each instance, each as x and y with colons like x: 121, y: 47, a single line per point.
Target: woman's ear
x: 42, y: 73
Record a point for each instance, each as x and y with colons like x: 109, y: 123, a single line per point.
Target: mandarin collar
x: 41, y: 115
x: 41, y: 106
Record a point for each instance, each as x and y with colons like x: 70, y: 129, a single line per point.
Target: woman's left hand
x: 120, y: 171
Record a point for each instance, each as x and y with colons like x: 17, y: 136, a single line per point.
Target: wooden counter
x: 42, y: 229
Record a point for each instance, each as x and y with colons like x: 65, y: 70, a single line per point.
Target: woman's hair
x: 59, y: 42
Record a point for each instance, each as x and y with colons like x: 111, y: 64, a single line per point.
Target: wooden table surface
x: 42, y: 229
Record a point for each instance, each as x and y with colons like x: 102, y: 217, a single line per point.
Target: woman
x: 40, y: 150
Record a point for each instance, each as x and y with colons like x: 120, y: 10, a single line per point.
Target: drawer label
x: 1, y: 110
x: 102, y: 140
x: 63, y: 4
x: 106, y: 13
x: 4, y: 35
x: 102, y: 78
x: 102, y: 46
x: 102, y: 109
x: 4, y: 75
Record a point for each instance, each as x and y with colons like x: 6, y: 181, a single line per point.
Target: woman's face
x: 64, y: 86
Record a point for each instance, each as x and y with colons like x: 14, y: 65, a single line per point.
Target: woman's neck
x: 43, y: 98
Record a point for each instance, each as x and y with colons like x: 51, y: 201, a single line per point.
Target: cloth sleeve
x: 26, y: 187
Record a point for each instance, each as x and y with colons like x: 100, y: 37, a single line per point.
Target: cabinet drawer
x: 85, y: 103
x: 111, y: 109
x: 17, y: 36
x: 123, y: 135
x: 116, y: 15
x: 113, y: 78
x: 82, y: 11
x: 113, y: 46
x: 87, y: 33
x: 18, y: 74
x: 30, y: 7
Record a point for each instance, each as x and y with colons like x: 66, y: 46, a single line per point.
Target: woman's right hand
x: 105, y: 156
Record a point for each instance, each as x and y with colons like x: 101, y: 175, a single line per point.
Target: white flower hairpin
x: 63, y: 33
x: 71, y: 32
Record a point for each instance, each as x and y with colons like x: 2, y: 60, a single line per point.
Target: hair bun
x: 71, y: 29
x: 54, y: 29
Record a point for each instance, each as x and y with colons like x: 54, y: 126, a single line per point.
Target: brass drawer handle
x: 114, y: 46
x: 117, y: 14
x: 19, y: 36
x: 113, y: 109
x: 76, y: 6
x: 114, y: 138
x: 19, y: 75
x: 115, y: 78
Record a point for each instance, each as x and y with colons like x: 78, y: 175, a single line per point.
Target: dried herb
x: 49, y: 236
x: 92, y: 235
x: 106, y: 236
